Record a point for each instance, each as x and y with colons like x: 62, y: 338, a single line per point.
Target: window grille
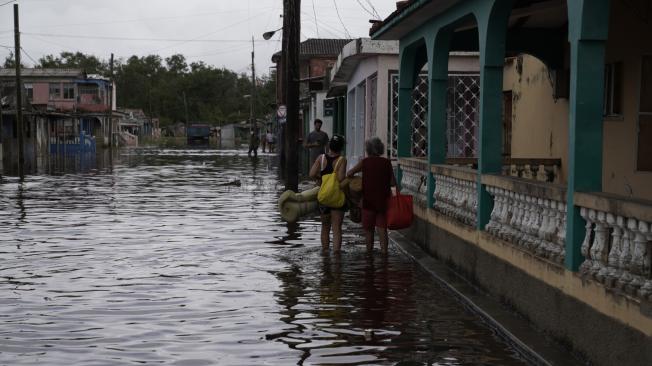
x: 463, y: 115
x: 419, y: 117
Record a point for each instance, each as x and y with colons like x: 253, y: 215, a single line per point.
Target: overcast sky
x: 217, y: 32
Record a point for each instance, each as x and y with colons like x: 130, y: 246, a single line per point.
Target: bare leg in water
x: 382, y: 237
x: 336, y: 220
x: 369, y: 239
x: 325, y: 231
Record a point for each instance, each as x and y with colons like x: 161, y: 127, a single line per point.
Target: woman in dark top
x: 377, y: 179
x: 331, y: 217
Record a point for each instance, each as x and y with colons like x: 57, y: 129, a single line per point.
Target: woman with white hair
x: 377, y: 180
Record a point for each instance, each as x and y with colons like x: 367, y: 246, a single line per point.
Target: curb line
x: 434, y: 267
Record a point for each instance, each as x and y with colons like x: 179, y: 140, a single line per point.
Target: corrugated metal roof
x: 57, y: 73
x: 322, y: 46
x: 313, y: 47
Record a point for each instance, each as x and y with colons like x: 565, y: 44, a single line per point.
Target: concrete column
x: 492, y: 17
x: 437, y: 99
x: 407, y: 71
x: 588, y: 23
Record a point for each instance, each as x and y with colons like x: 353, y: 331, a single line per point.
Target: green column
x: 406, y: 78
x: 437, y: 99
x: 492, y: 28
x: 588, y: 30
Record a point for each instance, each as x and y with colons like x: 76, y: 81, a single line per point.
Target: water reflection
x: 158, y: 259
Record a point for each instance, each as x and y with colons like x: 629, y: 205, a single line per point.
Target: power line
x: 365, y: 9
x: 141, y: 19
x: 135, y: 39
x: 28, y: 56
x: 338, y: 33
x: 374, y: 9
x: 206, y: 34
x: 8, y: 2
x: 341, y: 22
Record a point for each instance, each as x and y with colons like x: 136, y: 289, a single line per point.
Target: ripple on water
x: 154, y: 261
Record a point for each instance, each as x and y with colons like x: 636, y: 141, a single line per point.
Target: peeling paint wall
x: 539, y: 121
x: 629, y: 39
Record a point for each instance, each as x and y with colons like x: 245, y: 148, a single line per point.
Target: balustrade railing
x: 617, y: 245
x: 543, y: 170
x: 414, y: 179
x: 456, y: 192
x: 529, y: 215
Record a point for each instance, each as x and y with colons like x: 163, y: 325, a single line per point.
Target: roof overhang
x: 402, y: 21
x: 356, y: 51
x: 526, y: 14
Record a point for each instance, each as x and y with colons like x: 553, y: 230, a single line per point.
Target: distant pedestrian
x: 331, y: 217
x: 271, y: 141
x: 377, y: 180
x: 254, y: 141
x: 316, y: 141
x: 263, y: 140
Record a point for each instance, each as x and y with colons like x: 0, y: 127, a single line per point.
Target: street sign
x: 282, y: 111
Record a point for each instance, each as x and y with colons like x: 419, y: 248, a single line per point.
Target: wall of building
x: 626, y: 44
x: 385, y: 64
x: 318, y: 112
x: 539, y: 121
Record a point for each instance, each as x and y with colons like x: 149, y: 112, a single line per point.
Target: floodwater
x: 155, y: 261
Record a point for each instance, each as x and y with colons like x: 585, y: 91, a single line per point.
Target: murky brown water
x: 153, y: 262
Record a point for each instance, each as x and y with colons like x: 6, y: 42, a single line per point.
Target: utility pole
x: 111, y: 104
x: 252, y: 117
x: 292, y: 14
x: 19, y: 95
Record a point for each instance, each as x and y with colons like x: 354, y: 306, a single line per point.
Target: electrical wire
x: 335, y: 32
x: 28, y: 56
x: 374, y: 9
x: 140, y: 19
x: 205, y: 34
x: 341, y: 22
x: 365, y: 9
x: 8, y: 2
x: 50, y: 35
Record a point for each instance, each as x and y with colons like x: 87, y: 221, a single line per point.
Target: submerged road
x: 154, y: 261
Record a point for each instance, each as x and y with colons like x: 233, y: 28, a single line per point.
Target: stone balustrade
x: 456, y: 193
x: 529, y: 215
x: 543, y: 170
x: 618, y: 243
x: 414, y: 179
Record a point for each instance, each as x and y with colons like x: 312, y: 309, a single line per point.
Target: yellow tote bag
x: 330, y: 194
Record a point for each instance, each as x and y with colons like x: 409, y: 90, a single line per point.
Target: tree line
x: 158, y: 86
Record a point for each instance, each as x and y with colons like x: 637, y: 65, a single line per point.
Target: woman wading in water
x: 331, y: 217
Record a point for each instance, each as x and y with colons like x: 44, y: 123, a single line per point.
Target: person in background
x: 377, y: 180
x: 263, y: 140
x: 331, y: 217
x: 271, y: 141
x: 316, y: 141
x: 254, y: 141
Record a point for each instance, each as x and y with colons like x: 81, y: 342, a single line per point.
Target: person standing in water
x: 377, y: 180
x: 331, y: 217
x: 316, y: 141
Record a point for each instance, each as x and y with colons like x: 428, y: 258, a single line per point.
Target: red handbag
x: 399, y: 211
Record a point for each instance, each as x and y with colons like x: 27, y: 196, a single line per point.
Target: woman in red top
x: 377, y: 180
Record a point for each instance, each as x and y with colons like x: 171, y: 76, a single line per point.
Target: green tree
x: 156, y: 85
x: 77, y: 60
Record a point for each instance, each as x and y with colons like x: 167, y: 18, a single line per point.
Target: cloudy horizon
x: 216, y: 32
